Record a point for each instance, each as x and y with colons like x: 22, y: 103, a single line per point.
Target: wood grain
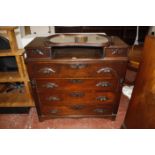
x: 15, y: 99
x: 60, y: 82
x: 141, y: 111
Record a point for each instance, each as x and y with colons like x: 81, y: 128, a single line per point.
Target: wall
x: 35, y: 31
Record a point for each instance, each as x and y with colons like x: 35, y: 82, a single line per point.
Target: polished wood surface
x: 74, y: 111
x: 68, y: 84
x: 141, y: 111
x: 76, y: 83
x: 40, y: 42
x: 76, y: 68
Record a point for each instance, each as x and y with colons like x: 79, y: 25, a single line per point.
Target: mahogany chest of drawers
x: 76, y: 75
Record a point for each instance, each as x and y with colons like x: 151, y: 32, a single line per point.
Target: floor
x: 30, y: 120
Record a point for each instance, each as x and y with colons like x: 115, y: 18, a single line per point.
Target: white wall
x: 42, y: 30
x: 36, y: 31
x: 152, y: 29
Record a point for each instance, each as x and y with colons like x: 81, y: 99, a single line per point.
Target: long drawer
x: 76, y: 111
x: 45, y: 85
x: 108, y: 69
x: 76, y: 97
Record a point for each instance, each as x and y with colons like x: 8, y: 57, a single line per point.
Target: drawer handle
x: 103, y: 84
x: 114, y: 51
x: 78, y: 107
x: 78, y: 66
x: 105, y: 70
x: 54, y: 111
x: 102, y: 98
x: 37, y: 51
x: 117, y: 51
x: 100, y: 110
x: 108, y: 70
x: 77, y: 94
x: 76, y: 81
x: 46, y: 70
x: 50, y: 85
x: 53, y: 98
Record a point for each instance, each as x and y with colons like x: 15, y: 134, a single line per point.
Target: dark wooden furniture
x: 126, y: 33
x: 141, y: 111
x: 77, y: 75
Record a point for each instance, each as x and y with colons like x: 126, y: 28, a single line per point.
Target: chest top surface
x: 76, y: 46
x: 96, y: 40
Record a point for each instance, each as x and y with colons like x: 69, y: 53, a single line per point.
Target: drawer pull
x: 103, y: 84
x: 100, y: 110
x: 53, y: 98
x: 114, y: 51
x: 77, y: 107
x: 50, y: 85
x: 105, y: 70
x: 121, y: 81
x: 78, y: 66
x: 117, y: 51
x: 37, y: 51
x: 102, y: 98
x: 54, y: 111
x: 46, y: 70
x: 77, y: 94
x: 76, y: 81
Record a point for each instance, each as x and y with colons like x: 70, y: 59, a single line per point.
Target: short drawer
x: 74, y: 84
x: 108, y: 69
x: 76, y: 110
x: 116, y: 52
x: 72, y: 97
x: 38, y: 53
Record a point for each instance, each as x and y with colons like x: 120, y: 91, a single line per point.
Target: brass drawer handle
x: 53, y: 98
x: 104, y: 84
x: 100, y: 110
x: 105, y: 70
x: 50, y: 85
x: 121, y: 81
x: 37, y: 51
x: 117, y: 51
x: 54, y: 111
x: 77, y: 107
x: 76, y: 81
x: 108, y: 70
x: 78, y: 66
x: 77, y: 94
x: 114, y: 51
x: 46, y: 70
x: 102, y: 98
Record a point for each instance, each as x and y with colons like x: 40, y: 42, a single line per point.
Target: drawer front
x: 116, y: 52
x: 76, y: 84
x: 38, y: 53
x: 106, y: 69
x: 74, y: 97
x: 75, y: 110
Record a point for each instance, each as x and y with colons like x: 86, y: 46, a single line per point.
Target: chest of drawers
x: 74, y: 76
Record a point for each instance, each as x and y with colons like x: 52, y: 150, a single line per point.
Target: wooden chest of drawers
x: 76, y: 79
